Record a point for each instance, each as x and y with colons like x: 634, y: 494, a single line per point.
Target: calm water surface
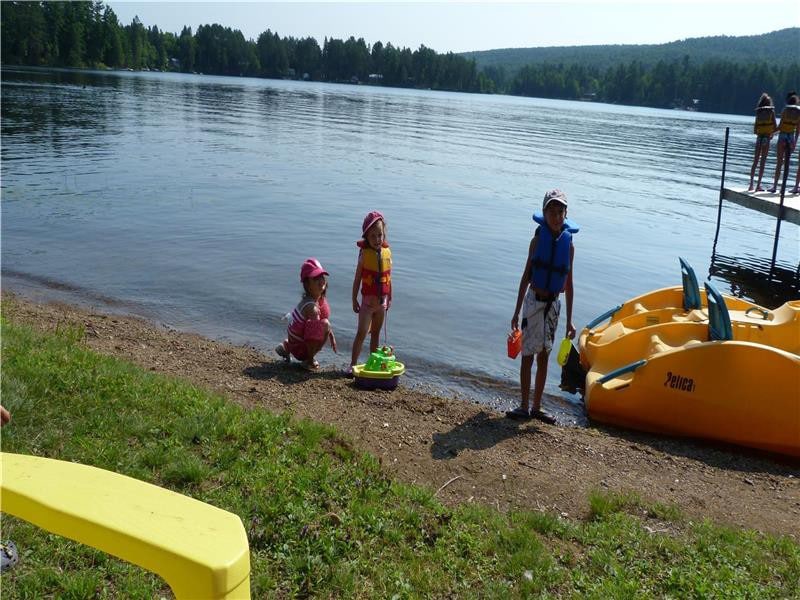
x: 193, y: 200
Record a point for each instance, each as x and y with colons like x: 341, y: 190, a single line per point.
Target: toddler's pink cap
x: 311, y: 268
x: 370, y: 220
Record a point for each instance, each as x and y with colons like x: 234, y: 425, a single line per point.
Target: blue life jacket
x: 550, y: 264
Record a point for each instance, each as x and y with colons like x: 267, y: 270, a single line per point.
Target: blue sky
x: 461, y: 26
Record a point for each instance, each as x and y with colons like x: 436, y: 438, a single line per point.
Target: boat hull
x: 366, y: 379
x: 737, y: 392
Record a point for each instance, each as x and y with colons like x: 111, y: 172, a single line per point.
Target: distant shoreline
x: 109, y: 70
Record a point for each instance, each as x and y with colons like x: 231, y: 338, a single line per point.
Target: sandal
x: 347, y: 372
x: 281, y: 351
x: 518, y: 414
x: 543, y: 417
x: 310, y: 365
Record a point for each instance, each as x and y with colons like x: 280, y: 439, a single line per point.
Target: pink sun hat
x: 311, y: 268
x: 370, y: 220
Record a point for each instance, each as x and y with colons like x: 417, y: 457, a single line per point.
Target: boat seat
x: 200, y: 550
x: 691, y: 290
x: 719, y: 320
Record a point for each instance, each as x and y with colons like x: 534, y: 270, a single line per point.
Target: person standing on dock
x: 787, y: 134
x: 764, y: 127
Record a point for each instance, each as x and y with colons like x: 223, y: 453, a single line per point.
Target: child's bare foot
x: 760, y: 188
x: 750, y: 188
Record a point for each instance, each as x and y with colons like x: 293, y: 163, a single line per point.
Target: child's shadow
x: 287, y: 374
x: 479, y: 432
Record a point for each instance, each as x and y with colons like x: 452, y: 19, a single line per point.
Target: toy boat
x: 381, y: 371
x: 683, y: 303
x: 732, y: 376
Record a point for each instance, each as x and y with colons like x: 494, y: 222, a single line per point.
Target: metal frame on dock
x: 776, y: 205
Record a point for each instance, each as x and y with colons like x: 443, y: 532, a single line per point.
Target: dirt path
x: 431, y: 441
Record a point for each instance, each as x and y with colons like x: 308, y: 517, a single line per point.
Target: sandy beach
x: 467, y: 452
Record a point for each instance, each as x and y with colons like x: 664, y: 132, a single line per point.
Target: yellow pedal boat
x: 683, y: 303
x: 732, y: 377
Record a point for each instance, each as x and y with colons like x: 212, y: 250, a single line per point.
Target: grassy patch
x: 323, y: 520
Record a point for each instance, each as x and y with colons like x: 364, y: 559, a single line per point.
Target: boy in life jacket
x: 548, y: 272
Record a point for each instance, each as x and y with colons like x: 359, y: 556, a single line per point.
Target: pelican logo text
x: 679, y: 382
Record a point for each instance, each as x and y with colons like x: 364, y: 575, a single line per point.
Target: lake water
x: 192, y: 200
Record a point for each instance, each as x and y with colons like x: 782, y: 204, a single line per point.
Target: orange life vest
x: 374, y: 270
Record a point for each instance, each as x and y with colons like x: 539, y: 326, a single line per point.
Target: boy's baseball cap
x: 554, y: 196
x: 370, y: 220
x: 311, y: 268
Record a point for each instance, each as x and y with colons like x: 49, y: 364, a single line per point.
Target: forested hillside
x: 718, y: 74
x: 86, y: 34
x: 778, y: 48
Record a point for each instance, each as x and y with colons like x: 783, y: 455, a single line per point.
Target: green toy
x: 381, y: 371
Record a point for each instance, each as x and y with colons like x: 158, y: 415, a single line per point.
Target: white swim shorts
x: 538, y: 328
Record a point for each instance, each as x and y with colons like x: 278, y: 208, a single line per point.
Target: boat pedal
x: 657, y: 345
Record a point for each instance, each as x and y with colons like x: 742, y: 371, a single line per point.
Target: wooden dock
x: 766, y: 203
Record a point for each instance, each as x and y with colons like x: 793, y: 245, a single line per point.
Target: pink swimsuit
x: 302, y: 329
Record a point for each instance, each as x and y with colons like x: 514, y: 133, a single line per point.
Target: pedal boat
x: 734, y: 378
x: 683, y: 303
x: 381, y: 371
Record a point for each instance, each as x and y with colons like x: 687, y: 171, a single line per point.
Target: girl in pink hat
x: 374, y: 279
x: 309, y: 327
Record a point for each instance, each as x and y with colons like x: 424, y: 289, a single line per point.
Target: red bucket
x: 514, y: 343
